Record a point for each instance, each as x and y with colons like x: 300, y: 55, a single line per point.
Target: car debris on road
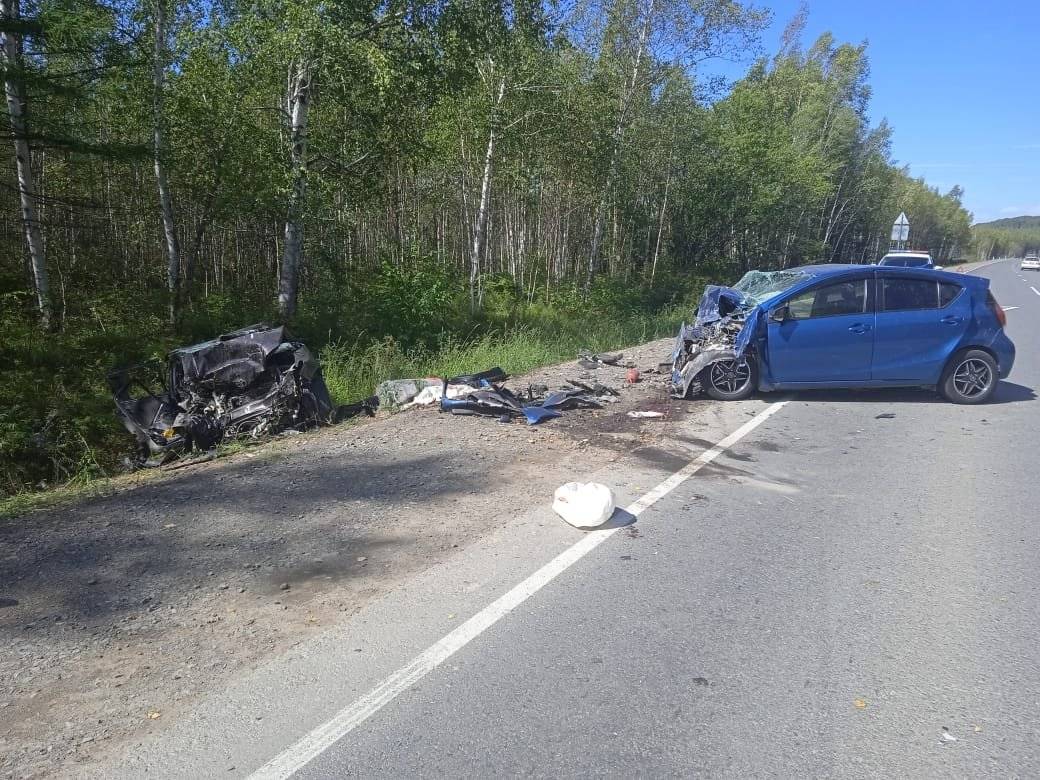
x: 591, y: 361
x: 485, y: 394
x: 401, y: 392
x: 250, y: 382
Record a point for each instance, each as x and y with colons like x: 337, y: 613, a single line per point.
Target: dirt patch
x: 118, y: 613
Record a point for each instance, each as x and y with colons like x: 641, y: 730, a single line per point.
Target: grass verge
x: 353, y: 370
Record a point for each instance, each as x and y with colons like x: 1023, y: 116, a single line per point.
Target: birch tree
x: 297, y: 109
x: 12, y: 27
x: 497, y: 84
x: 643, y: 41
x: 161, y: 55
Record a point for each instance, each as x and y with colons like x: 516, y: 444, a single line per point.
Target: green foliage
x: 600, y: 127
x: 413, y: 302
x: 1011, y: 237
x: 57, y: 421
x: 539, y: 336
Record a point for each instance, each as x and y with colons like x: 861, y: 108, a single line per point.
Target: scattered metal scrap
x: 485, y: 394
x: 250, y: 382
x: 591, y: 361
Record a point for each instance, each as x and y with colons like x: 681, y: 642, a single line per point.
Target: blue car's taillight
x: 998, y: 310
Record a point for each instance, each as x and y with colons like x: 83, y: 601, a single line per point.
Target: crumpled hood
x: 718, y: 302
x: 725, y: 321
x: 728, y: 320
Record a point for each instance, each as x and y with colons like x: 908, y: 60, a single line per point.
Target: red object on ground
x: 632, y: 376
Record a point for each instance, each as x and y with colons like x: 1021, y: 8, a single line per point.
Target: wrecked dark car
x: 845, y: 326
x: 250, y: 382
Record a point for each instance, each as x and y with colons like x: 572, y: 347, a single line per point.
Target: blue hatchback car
x: 845, y: 326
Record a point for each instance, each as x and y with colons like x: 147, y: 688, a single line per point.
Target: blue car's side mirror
x: 779, y: 314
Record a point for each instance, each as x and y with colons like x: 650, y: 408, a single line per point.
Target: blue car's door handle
x: 858, y: 328
x: 951, y: 320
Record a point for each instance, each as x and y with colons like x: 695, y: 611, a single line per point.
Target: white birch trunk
x: 480, y: 226
x: 660, y: 229
x: 624, y: 104
x: 173, y: 250
x: 11, y: 46
x: 298, y: 104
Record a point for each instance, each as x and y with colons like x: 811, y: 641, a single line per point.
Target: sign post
x: 900, y: 231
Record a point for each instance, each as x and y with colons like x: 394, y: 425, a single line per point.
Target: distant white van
x: 906, y: 259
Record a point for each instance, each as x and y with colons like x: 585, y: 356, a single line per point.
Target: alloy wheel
x: 730, y: 376
x: 972, y: 377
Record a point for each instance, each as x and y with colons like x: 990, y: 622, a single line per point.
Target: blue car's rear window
x: 947, y: 292
x: 909, y: 294
x: 905, y: 261
x: 904, y: 294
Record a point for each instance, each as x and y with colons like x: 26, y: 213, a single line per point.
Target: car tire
x: 731, y: 380
x: 970, y: 377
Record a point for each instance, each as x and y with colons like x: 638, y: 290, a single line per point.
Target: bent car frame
x: 845, y: 326
x: 249, y: 382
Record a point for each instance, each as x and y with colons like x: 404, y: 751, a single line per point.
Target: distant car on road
x: 908, y: 260
x: 845, y: 326
x: 1030, y: 263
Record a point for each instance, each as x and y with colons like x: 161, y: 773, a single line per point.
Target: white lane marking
x: 313, y: 744
x: 1008, y: 308
x: 1034, y: 289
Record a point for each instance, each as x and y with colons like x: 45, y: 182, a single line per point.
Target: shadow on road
x: 247, y: 524
x: 1006, y: 393
x: 619, y: 519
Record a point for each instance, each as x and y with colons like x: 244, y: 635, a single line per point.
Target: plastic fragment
x: 537, y: 414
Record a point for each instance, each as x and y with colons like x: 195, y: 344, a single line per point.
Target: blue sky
x: 959, y: 82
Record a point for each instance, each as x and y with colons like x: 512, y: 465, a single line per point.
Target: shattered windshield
x: 758, y: 286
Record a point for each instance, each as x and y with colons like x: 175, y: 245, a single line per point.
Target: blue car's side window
x: 909, y: 294
x: 948, y: 293
x: 849, y: 297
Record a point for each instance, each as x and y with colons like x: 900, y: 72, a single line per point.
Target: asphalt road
x: 852, y: 589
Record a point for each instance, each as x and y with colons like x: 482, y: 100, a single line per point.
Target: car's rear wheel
x: 731, y: 380
x: 970, y: 378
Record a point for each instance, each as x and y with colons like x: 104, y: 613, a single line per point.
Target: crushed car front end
x: 250, y: 382
x: 726, y: 322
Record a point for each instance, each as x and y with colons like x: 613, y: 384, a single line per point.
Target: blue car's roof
x: 836, y: 269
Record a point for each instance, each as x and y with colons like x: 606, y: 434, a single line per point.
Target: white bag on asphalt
x: 584, y: 504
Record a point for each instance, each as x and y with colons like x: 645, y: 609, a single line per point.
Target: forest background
x: 414, y: 187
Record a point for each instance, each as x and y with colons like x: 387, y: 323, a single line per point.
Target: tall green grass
x: 57, y: 422
x: 353, y: 370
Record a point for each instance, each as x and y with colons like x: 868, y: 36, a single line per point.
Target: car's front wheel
x: 970, y: 378
x: 731, y: 380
